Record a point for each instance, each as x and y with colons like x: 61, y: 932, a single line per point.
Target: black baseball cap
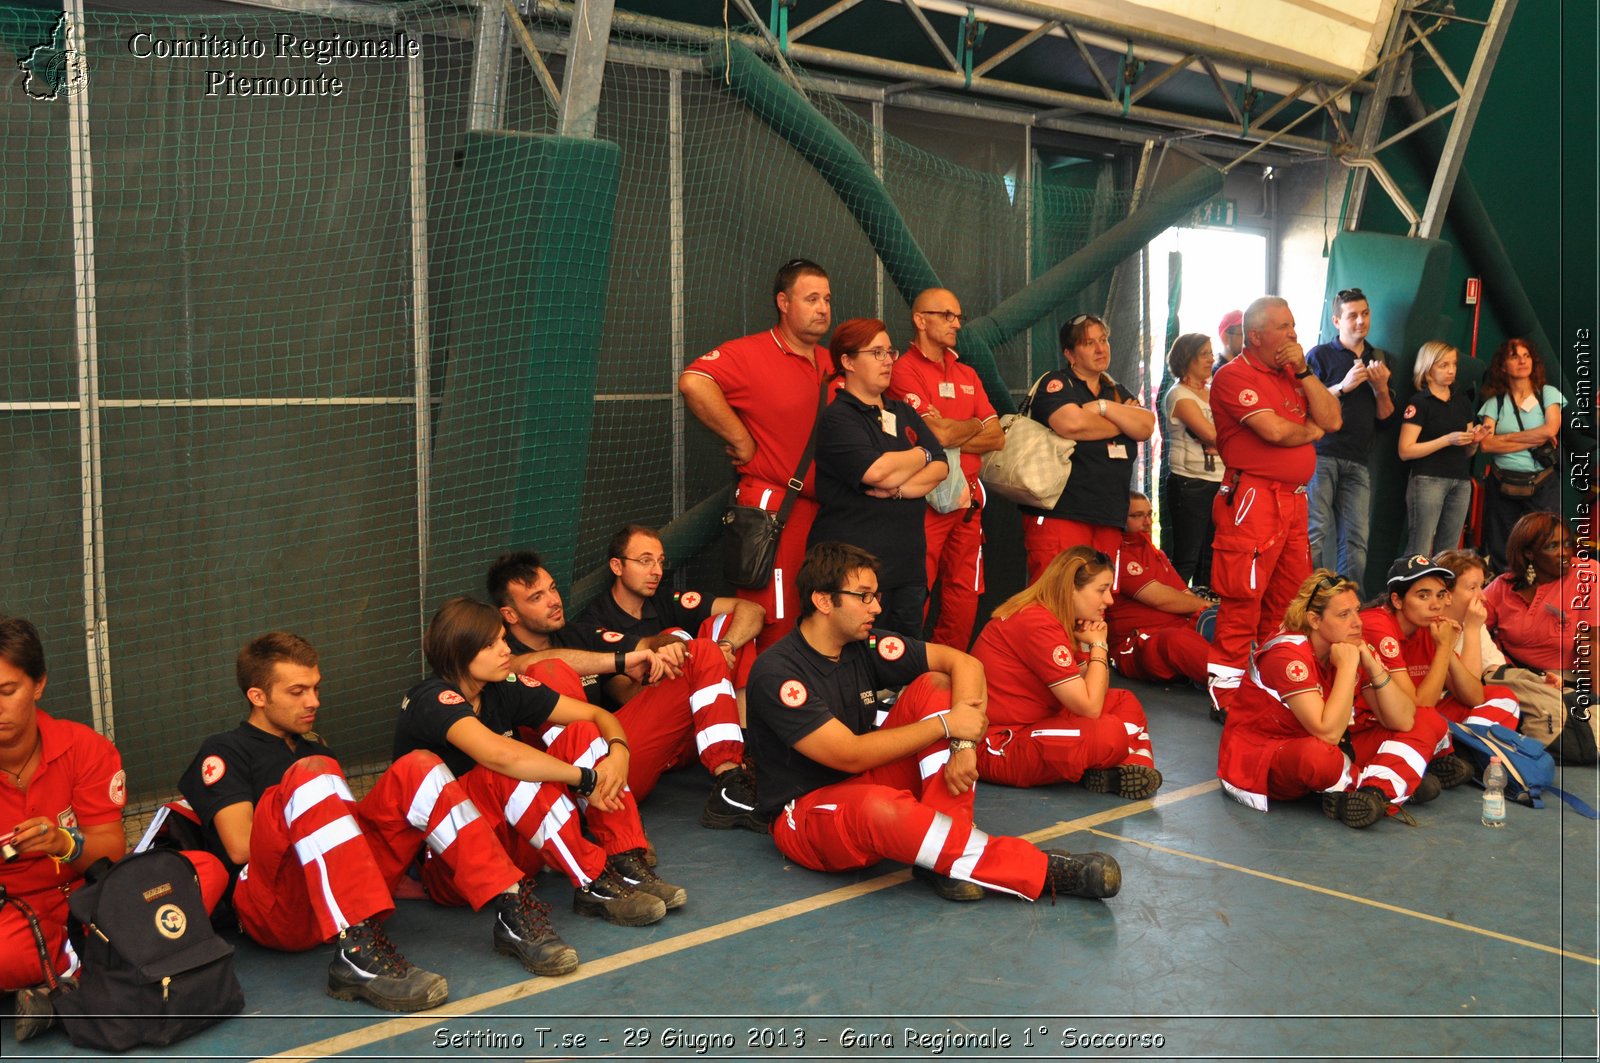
x: 1406, y: 571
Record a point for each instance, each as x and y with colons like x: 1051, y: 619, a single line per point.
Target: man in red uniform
x: 1154, y: 618
x: 931, y: 378
x: 1269, y: 409
x: 311, y: 864
x: 844, y: 791
x: 759, y: 395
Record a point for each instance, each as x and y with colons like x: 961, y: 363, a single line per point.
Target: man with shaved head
x: 948, y: 394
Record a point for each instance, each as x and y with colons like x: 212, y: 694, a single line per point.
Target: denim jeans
x: 1341, y: 496
x: 1436, y: 510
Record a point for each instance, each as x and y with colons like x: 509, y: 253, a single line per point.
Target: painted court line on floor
x: 455, y: 1009
x: 1396, y: 909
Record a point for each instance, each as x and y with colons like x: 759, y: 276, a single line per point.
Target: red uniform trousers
x: 320, y: 861
x: 1394, y: 761
x: 1499, y: 706
x: 537, y: 823
x: 1306, y: 765
x: 779, y: 597
x: 955, y: 566
x: 1164, y: 653
x: 716, y: 627
x: 1259, y: 558
x: 1060, y: 748
x: 667, y: 722
x: 19, y: 955
x: 1045, y: 537
x: 903, y: 811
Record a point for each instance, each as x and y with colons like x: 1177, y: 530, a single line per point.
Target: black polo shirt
x: 850, y: 437
x: 234, y: 766
x: 1359, y: 406
x: 794, y: 690
x: 1436, y: 417
x: 685, y: 609
x: 565, y: 638
x: 433, y: 706
x: 1097, y: 491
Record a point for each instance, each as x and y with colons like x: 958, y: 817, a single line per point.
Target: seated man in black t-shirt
x: 845, y: 789
x: 311, y: 864
x: 680, y: 697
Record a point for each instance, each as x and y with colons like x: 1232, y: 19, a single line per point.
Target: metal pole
x: 96, y: 629
x: 488, y: 67
x: 675, y: 238
x: 586, y: 68
x: 877, y: 168
x: 421, y: 329
x: 1026, y: 198
x: 1471, y: 97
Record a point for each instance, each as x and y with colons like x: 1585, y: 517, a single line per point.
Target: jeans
x: 1188, y: 522
x: 1341, y: 496
x: 1436, y: 510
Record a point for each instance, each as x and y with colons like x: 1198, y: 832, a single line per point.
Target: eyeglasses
x: 950, y: 316
x: 1351, y: 295
x: 882, y: 354
x: 649, y: 562
x: 867, y: 597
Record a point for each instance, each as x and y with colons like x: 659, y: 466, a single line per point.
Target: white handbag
x: 1033, y: 466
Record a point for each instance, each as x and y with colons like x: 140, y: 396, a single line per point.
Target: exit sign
x: 1219, y: 211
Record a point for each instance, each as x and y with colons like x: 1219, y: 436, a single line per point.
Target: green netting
x: 236, y: 445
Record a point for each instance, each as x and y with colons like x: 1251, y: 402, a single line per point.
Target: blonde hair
x: 1320, y: 588
x: 1068, y: 571
x: 1428, y: 354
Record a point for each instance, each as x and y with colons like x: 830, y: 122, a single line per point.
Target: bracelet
x: 1097, y: 660
x: 75, y: 847
x: 1387, y: 679
x: 619, y: 663
x: 727, y: 644
x: 623, y: 742
x: 1099, y: 646
x: 943, y: 724
x: 587, y: 778
x: 959, y: 744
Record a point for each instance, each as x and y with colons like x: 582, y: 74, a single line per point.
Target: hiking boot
x: 634, y: 867
x: 1092, y: 875
x: 1356, y: 808
x: 36, y: 1008
x: 951, y: 889
x: 1450, y: 770
x: 1132, y: 781
x: 1428, y: 787
x: 650, y: 859
x: 610, y: 897
x: 522, y: 929
x: 368, y: 967
x: 732, y: 803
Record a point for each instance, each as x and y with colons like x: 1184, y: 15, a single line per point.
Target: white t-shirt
x: 1186, y: 455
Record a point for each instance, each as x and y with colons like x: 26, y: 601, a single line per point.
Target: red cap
x: 1229, y: 320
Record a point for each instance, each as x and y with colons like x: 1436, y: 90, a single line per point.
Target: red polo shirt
x: 774, y: 392
x: 948, y: 388
x: 1142, y: 562
x: 1023, y: 656
x: 1243, y: 388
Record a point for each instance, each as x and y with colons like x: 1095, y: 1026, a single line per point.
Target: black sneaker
x: 1356, y: 808
x: 733, y: 803
x: 1450, y: 770
x: 522, y: 929
x: 36, y: 1008
x: 1092, y: 875
x: 634, y: 867
x: 1428, y: 787
x: 951, y: 889
x: 368, y: 967
x: 610, y: 897
x: 1132, y: 781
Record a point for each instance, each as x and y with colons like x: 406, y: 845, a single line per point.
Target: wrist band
x: 943, y: 724
x: 726, y: 644
x: 623, y: 742
x: 619, y: 663
x: 587, y: 778
x: 1387, y: 679
x: 1302, y: 376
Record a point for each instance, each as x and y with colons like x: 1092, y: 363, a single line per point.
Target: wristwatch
x: 958, y: 744
x: 76, y: 837
x: 1102, y: 407
x: 1303, y: 374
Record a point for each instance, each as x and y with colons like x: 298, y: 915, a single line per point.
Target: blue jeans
x: 1341, y: 496
x: 1436, y: 510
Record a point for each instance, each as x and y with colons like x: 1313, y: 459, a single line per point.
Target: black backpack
x: 154, y: 971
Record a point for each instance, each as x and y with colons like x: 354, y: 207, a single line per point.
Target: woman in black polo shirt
x: 875, y: 462
x: 1437, y: 442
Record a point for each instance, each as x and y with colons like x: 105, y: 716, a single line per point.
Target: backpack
x: 154, y: 971
x: 1559, y: 718
x: 1530, y: 770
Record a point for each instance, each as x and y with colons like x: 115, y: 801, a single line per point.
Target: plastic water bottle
x: 1494, y: 794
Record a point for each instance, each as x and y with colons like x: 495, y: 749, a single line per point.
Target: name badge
x: 887, y: 420
x: 1117, y: 451
x: 947, y: 390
